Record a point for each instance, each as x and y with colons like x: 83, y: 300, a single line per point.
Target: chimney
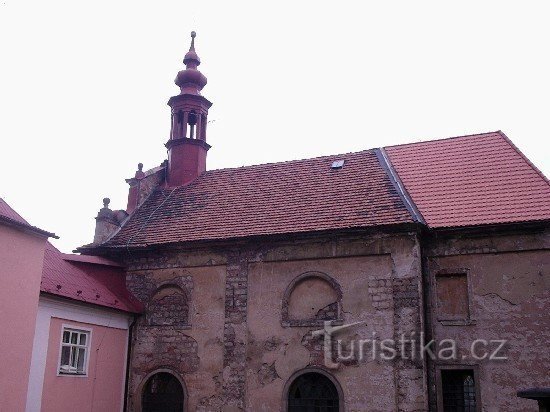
x: 134, y: 191
x: 107, y: 222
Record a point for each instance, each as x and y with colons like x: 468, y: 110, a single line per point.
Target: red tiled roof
x: 100, y: 284
x: 471, y: 180
x: 277, y: 198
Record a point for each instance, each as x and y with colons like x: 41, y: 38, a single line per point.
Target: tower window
x: 192, y: 121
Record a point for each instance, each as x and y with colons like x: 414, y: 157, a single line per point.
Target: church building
x: 318, y: 284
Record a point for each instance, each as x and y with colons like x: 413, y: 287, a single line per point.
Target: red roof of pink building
x: 81, y: 278
x: 99, y: 282
x: 471, y: 180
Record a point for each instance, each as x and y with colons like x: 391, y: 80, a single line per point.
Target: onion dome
x: 191, y: 80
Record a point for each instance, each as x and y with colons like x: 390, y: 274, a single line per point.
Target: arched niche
x: 168, y: 306
x: 311, y: 299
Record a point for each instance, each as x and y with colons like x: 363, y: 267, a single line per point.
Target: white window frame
x: 86, y: 347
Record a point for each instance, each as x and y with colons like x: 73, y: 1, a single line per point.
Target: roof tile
x: 277, y: 198
x: 471, y: 180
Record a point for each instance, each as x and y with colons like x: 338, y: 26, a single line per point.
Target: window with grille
x: 74, y: 351
x: 459, y: 390
x: 313, y: 392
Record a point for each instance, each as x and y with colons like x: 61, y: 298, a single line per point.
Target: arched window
x: 311, y: 299
x: 313, y: 392
x: 168, y: 307
x: 162, y: 393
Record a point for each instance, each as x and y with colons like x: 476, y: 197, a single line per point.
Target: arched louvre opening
x: 162, y: 393
x: 313, y: 392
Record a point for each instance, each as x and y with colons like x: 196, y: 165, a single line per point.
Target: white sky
x: 84, y: 86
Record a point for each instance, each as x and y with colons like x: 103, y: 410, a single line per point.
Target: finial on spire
x: 193, y: 35
x: 106, y: 202
x: 191, y: 59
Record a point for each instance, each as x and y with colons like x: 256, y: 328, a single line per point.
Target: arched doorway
x: 313, y: 392
x: 162, y: 393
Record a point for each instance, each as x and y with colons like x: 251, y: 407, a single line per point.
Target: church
x: 403, y: 278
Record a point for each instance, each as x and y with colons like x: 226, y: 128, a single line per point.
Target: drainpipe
x: 128, y: 357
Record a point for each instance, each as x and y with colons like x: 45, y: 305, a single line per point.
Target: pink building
x: 69, y: 349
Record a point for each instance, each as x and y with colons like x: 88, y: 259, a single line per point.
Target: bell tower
x: 187, y: 146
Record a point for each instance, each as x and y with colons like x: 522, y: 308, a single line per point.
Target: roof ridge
x: 289, y: 161
x: 443, y: 139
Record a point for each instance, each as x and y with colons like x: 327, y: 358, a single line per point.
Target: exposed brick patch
x: 381, y: 293
x: 234, y: 354
x: 405, y: 292
x: 315, y: 346
x: 329, y: 312
x: 141, y: 285
x: 169, y: 306
x: 406, y: 319
x: 267, y: 373
x: 272, y: 343
x: 159, y: 346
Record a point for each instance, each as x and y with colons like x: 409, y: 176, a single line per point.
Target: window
x: 452, y: 298
x: 458, y: 389
x: 313, y: 392
x: 74, y: 351
x: 162, y: 392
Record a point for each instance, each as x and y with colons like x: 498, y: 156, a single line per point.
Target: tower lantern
x: 187, y: 146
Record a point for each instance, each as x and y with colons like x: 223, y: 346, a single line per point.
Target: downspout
x: 128, y: 357
x: 429, y: 365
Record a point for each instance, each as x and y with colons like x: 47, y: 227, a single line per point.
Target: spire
x: 191, y: 80
x: 187, y: 146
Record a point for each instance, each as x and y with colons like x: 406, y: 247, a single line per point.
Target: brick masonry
x: 235, y: 340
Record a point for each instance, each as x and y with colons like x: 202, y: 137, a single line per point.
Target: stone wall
x: 507, y: 282
x: 237, y: 351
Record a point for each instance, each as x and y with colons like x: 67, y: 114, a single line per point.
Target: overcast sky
x: 84, y: 86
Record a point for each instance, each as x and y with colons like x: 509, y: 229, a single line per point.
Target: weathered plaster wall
x: 193, y: 350
x: 509, y: 297
x: 236, y: 353
x: 284, y: 349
